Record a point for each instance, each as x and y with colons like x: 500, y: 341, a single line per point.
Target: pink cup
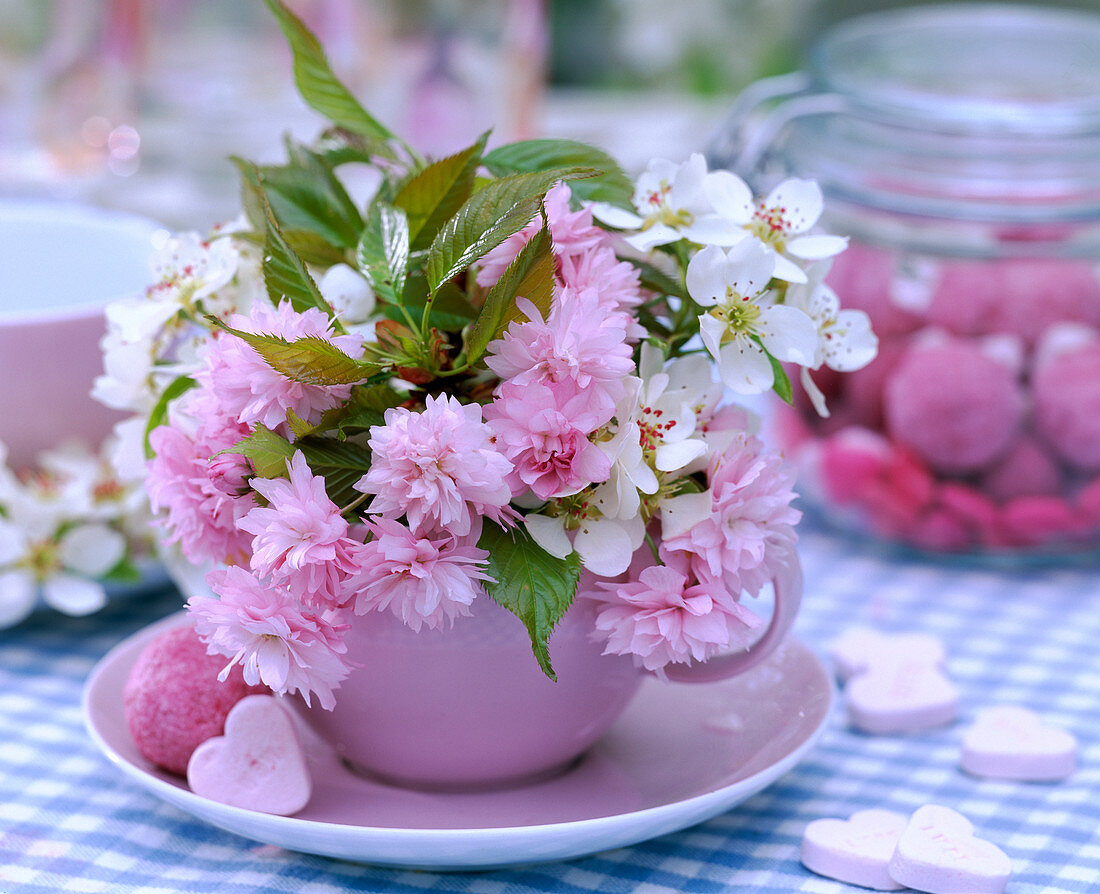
x: 468, y: 707
x: 59, y: 265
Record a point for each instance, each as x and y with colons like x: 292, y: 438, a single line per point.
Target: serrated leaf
x: 433, y: 196
x: 492, y: 214
x: 310, y: 360
x: 530, y: 276
x: 656, y: 280
x: 285, y: 274
x: 305, y: 194
x: 536, y: 587
x: 340, y: 463
x: 451, y: 310
x: 383, y: 252
x: 159, y: 415
x: 314, y: 249
x: 319, y: 86
x: 609, y: 185
x: 367, y: 408
x: 267, y: 451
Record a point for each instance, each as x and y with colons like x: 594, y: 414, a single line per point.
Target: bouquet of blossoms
x: 490, y: 379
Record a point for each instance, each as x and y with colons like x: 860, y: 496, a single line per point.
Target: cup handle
x: 788, y: 597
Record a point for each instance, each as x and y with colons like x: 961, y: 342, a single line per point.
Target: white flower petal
x: 851, y: 344
x: 711, y: 330
x: 681, y: 513
x: 788, y: 271
x: 744, y: 367
x: 658, y: 234
x: 788, y: 334
x: 749, y: 267
x: 18, y: 595
x: 706, y: 276
x: 729, y: 196
x: 801, y: 203
x: 814, y: 393
x: 73, y: 595
x: 614, y: 216
x: 687, y: 186
x: 814, y: 248
x: 710, y: 229
x: 605, y: 547
x: 549, y: 533
x: 670, y: 457
x: 92, y: 550
x: 13, y: 542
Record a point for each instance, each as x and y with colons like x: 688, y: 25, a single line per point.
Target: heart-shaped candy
x: 258, y: 764
x: 860, y: 648
x: 857, y: 850
x: 901, y: 697
x: 938, y: 852
x: 1008, y: 742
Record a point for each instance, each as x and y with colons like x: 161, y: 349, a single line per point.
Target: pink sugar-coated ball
x: 1066, y: 391
x: 953, y: 406
x: 966, y: 296
x: 863, y: 388
x: 1027, y: 470
x: 1038, y: 292
x: 863, y: 280
x: 1035, y: 521
x: 173, y: 701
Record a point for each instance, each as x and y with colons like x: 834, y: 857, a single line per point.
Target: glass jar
x: 959, y: 147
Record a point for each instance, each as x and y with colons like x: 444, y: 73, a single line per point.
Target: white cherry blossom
x: 671, y: 205
x: 347, y: 292
x: 745, y: 319
x: 781, y: 221
x: 845, y: 340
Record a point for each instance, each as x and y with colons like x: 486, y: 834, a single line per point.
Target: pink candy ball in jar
x: 958, y: 147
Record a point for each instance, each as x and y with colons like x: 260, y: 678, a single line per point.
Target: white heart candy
x: 857, y: 850
x: 901, y: 697
x: 258, y: 764
x: 1008, y: 742
x: 860, y: 648
x: 938, y: 852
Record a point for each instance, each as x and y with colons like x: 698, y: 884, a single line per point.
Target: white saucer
x: 680, y: 754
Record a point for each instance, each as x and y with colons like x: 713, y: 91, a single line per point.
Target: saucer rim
x: 657, y: 820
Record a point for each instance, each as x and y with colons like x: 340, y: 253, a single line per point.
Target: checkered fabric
x: 69, y: 821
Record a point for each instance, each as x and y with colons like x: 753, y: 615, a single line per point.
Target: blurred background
x: 136, y: 104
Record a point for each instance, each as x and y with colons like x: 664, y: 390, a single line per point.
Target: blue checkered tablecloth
x: 69, y: 821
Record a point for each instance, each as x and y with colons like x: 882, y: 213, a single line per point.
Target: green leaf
x: 311, y: 360
x: 609, y: 185
x: 656, y: 280
x: 530, y: 276
x: 125, y: 572
x: 367, y: 408
x: 313, y: 249
x: 319, y: 86
x: 267, y: 451
x: 451, y: 310
x: 383, y: 253
x: 536, y: 587
x: 159, y: 415
x: 285, y: 274
x: 492, y: 214
x: 432, y: 197
x: 782, y: 384
x: 340, y: 463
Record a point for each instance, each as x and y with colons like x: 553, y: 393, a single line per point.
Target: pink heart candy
x: 1007, y: 742
x: 257, y: 765
x: 856, y: 850
x: 861, y: 648
x: 902, y: 697
x: 938, y: 852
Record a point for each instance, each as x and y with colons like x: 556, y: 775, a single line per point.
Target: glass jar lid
x: 969, y: 67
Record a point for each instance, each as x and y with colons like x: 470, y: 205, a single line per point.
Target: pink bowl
x: 59, y: 265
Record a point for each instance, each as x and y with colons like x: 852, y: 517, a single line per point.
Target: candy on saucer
x: 955, y: 406
x: 939, y: 852
x: 257, y: 765
x: 856, y: 850
x: 173, y: 700
x: 1009, y: 742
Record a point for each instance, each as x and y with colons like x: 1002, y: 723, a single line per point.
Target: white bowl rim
x: 45, y: 210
